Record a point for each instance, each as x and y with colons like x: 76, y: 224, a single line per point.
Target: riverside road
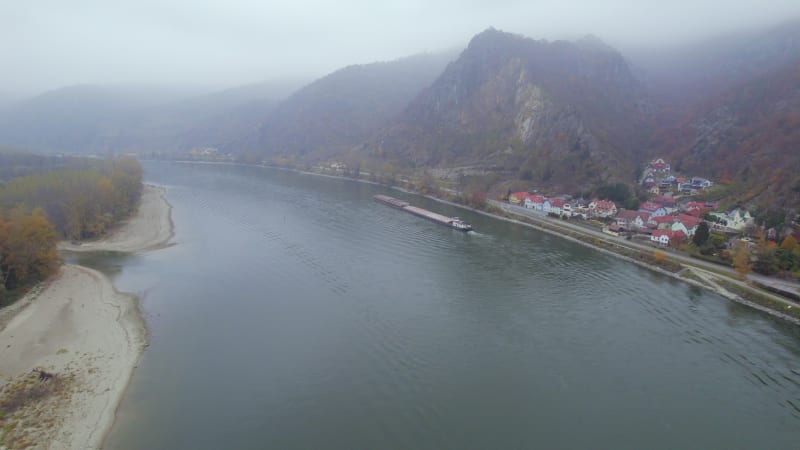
x: 542, y: 217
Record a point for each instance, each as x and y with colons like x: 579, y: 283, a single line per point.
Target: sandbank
x: 78, y: 327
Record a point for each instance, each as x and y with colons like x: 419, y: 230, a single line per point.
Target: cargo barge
x: 452, y: 222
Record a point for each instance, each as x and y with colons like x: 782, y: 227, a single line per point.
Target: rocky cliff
x: 562, y: 113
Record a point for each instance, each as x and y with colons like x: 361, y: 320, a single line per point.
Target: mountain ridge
x: 525, y: 101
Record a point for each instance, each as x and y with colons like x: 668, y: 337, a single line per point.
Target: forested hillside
x: 38, y: 210
x: 746, y: 137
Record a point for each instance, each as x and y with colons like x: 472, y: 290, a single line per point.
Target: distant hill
x: 729, y: 109
x: 94, y: 119
x: 342, y: 110
x: 76, y: 118
x: 212, y: 120
x: 565, y: 114
x: 681, y: 75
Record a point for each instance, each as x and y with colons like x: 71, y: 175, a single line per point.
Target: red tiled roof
x: 695, y: 212
x: 664, y: 219
x: 628, y: 214
x: 536, y: 198
x: 632, y: 215
x: 663, y: 200
x: 604, y: 204
x: 649, y: 206
x: 688, y: 221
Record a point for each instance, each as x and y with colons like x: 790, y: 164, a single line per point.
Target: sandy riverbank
x: 80, y: 328
x: 149, y: 229
x: 77, y: 326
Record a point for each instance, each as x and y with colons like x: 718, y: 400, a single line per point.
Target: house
x: 701, y: 183
x: 580, y: 207
x: 649, y: 180
x: 736, y: 219
x: 661, y: 237
x: 654, y: 209
x: 686, y: 224
x: 534, y: 201
x: 517, y: 198
x: 696, y: 209
x: 659, y: 165
x: 666, y: 202
x: 668, y: 181
x: 662, y: 222
x: 553, y: 205
x: 686, y: 188
x: 740, y: 219
x: 613, y: 229
x: 632, y: 220
x: 602, y: 208
x: 666, y: 237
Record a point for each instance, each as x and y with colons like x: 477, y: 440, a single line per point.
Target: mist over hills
x: 679, y: 74
x: 566, y: 115
x: 747, y: 137
x: 99, y: 118
x: 340, y: 111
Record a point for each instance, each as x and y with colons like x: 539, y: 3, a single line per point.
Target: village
x: 669, y: 217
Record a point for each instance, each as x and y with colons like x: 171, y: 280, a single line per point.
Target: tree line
x: 36, y: 211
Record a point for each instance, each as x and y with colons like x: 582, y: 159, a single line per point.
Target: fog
x: 45, y: 44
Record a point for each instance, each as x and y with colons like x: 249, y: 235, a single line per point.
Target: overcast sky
x: 46, y: 44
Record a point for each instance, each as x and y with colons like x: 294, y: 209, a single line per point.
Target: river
x: 294, y: 312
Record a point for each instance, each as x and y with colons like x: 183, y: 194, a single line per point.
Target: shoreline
x: 706, y: 279
x: 150, y: 228
x: 77, y: 326
x: 710, y: 280
x: 710, y: 284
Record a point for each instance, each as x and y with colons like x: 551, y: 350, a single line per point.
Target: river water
x: 294, y: 312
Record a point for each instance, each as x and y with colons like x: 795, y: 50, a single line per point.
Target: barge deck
x: 453, y: 222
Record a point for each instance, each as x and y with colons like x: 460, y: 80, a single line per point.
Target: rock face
x: 562, y: 112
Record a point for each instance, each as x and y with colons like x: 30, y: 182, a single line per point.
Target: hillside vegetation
x: 38, y: 210
x: 747, y: 138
